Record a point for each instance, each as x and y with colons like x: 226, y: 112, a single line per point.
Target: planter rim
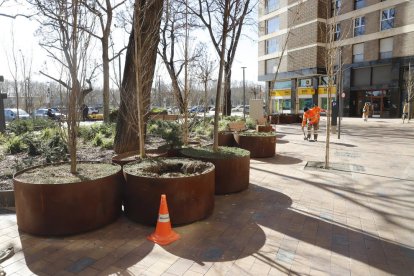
x: 62, y: 163
x: 217, y: 155
x: 207, y: 170
x: 269, y: 134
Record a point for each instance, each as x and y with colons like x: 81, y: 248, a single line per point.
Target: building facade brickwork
x: 374, y: 45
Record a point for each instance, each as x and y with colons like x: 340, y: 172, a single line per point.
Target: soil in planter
x: 60, y: 173
x: 167, y: 167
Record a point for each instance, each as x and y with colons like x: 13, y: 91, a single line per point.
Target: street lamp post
x: 244, y: 95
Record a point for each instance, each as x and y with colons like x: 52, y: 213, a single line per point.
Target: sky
x: 26, y: 44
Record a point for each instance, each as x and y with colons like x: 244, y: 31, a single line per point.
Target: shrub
x: 54, y: 149
x: 170, y: 131
x: 113, y: 115
x: 15, y: 145
x: 108, y: 144
x: 250, y: 123
x: 19, y: 127
x: 98, y: 140
x: 33, y: 143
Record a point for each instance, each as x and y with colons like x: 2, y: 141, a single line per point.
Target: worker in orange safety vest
x: 318, y: 110
x: 311, y: 119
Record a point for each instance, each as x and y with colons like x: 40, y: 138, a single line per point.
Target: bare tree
x: 13, y: 69
x: 27, y: 76
x: 62, y: 25
x: 139, y: 70
x: 104, y: 10
x: 174, y: 28
x: 211, y: 14
x: 205, y: 69
x: 409, y: 84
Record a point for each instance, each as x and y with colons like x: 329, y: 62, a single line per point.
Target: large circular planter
x: 260, y: 146
x: 131, y: 156
x: 67, y: 208
x: 226, y: 139
x: 189, y: 197
x: 232, y: 167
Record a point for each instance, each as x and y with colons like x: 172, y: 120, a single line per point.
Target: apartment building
x: 373, y: 40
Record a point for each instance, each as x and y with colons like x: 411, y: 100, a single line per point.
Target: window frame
x: 278, y: 24
x: 359, y: 4
x: 360, y: 25
x: 337, y: 33
x: 385, y: 54
x: 354, y: 60
x: 267, y: 43
x: 335, y: 5
x: 387, y: 19
x: 275, y: 8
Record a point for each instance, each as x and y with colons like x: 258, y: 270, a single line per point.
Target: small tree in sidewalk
x: 409, y: 84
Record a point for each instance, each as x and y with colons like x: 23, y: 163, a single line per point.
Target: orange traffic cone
x: 163, y: 234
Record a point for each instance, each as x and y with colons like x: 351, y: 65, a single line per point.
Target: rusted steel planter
x: 232, y: 172
x: 7, y: 198
x: 189, y: 198
x: 65, y: 209
x: 131, y: 156
x: 226, y: 139
x: 259, y: 146
x: 264, y: 128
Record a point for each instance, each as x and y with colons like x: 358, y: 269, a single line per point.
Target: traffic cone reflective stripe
x: 163, y: 234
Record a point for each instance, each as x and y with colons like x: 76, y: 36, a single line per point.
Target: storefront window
x: 282, y: 105
x: 305, y: 103
x: 324, y: 103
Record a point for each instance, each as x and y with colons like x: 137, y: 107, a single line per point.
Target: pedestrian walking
x: 85, y: 112
x: 405, y: 111
x: 365, y: 112
x: 311, y: 120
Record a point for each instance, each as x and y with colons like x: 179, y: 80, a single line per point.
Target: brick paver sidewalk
x: 355, y: 219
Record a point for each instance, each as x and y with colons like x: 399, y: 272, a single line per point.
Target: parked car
x: 42, y: 113
x: 10, y: 114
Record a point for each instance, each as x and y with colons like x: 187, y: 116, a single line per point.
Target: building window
x: 337, y: 34
x: 335, y: 7
x: 272, y: 5
x: 272, y: 25
x: 358, y: 52
x: 386, y: 46
x: 387, y: 19
x: 359, y: 4
x: 271, y: 65
x: 359, y: 26
x: 282, y: 85
x: 272, y: 46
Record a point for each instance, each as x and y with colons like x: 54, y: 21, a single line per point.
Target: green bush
x: 250, y: 123
x: 33, y: 143
x: 15, y: 145
x: 98, y: 140
x: 107, y: 144
x: 168, y: 130
x: 54, y: 149
x: 113, y: 115
x: 3, y: 138
x: 19, y: 127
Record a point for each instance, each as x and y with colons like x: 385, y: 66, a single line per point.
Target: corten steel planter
x: 70, y: 208
x: 226, y: 139
x: 263, y: 128
x: 232, y: 172
x: 7, y: 198
x: 285, y: 119
x: 259, y: 146
x: 189, y: 198
x: 131, y: 156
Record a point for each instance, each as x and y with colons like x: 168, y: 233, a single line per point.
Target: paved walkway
x: 356, y: 219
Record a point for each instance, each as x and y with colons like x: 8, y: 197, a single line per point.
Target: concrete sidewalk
x: 354, y: 219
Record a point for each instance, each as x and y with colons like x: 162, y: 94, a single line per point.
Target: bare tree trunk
x: 221, y: 69
x: 227, y: 90
x: 127, y: 135
x: 105, y: 65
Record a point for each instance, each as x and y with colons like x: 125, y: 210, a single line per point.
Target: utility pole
x: 244, y: 95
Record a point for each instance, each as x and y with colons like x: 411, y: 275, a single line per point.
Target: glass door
x: 377, y: 103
